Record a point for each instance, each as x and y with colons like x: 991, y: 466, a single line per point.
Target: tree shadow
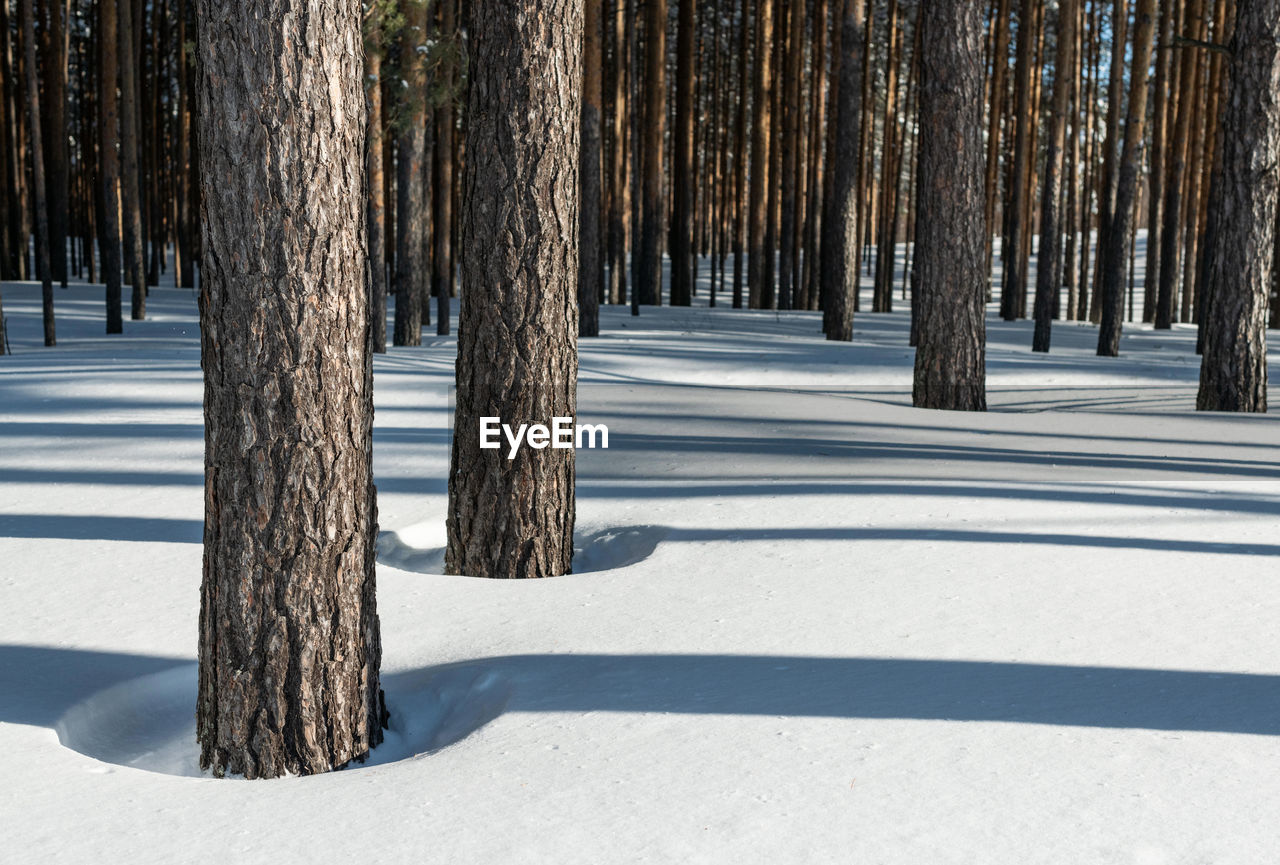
x: 136, y: 710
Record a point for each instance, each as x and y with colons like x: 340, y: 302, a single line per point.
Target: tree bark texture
x: 289, y: 638
x: 1233, y: 371
x: 518, y: 322
x: 950, y: 365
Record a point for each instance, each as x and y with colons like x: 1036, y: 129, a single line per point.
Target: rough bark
x: 411, y: 205
x: 839, y: 247
x: 590, y: 260
x: 1048, y: 271
x: 950, y: 254
x: 289, y: 640
x: 1233, y: 371
x: 1124, y: 213
x: 518, y: 324
x: 37, y: 171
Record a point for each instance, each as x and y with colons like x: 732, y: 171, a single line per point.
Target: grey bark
x: 950, y: 365
x: 1233, y: 371
x: 518, y: 323
x: 289, y: 639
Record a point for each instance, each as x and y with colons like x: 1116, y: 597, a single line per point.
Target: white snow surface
x: 807, y: 623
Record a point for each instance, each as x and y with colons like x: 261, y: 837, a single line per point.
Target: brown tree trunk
x: 1161, y: 113
x: 840, y: 234
x: 514, y: 518
x: 377, y: 201
x: 793, y: 60
x: 890, y: 167
x: 683, y: 178
x: 758, y: 206
x: 1048, y: 269
x: 183, y: 246
x: 37, y: 170
x: 817, y: 177
x: 289, y: 642
x: 109, y: 176
x: 590, y: 259
x: 130, y: 203
x: 442, y: 269
x: 1014, y: 288
x: 1120, y: 230
x: 1233, y: 372
x: 411, y: 204
x: 950, y: 366
x: 55, y: 82
x: 995, y: 108
x: 620, y: 188
x: 653, y: 128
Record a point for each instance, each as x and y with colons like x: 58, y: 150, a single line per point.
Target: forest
x: 631, y: 430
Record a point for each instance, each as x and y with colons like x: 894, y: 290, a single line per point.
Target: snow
x: 808, y: 622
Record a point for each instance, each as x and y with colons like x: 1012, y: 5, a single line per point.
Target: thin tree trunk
x: 950, y: 258
x: 514, y: 518
x: 1111, y: 150
x: 1233, y: 372
x: 37, y: 171
x: 442, y: 269
x: 289, y: 639
x: 590, y: 272
x: 377, y: 202
x: 130, y: 204
x: 109, y: 176
x: 411, y: 203
x: 683, y: 176
x: 1014, y: 288
x: 653, y: 207
x: 55, y: 83
x: 1048, y: 271
x: 760, y: 125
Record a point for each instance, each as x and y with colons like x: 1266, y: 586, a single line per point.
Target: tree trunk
x: 653, y: 128
x: 1233, y: 372
x: 56, y: 141
x: 793, y: 62
x: 620, y: 196
x: 289, y: 643
x: 1111, y: 149
x: 37, y: 171
x: 758, y: 206
x: 950, y: 256
x: 377, y: 201
x: 411, y: 204
x: 590, y: 260
x: 1014, y: 289
x: 1048, y: 271
x: 442, y: 269
x: 1120, y: 230
x: 514, y: 518
x: 840, y: 235
x: 109, y: 175
x: 130, y: 204
x: 683, y: 177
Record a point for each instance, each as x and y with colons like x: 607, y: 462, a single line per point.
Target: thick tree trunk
x: 590, y: 260
x: 377, y: 201
x: 517, y: 329
x: 950, y: 366
x: 648, y: 281
x: 289, y: 642
x: 1233, y: 372
x: 1124, y: 214
x: 683, y: 177
x: 840, y: 235
x: 1048, y: 270
x: 109, y: 175
x: 411, y: 205
x: 37, y: 171
x: 130, y: 203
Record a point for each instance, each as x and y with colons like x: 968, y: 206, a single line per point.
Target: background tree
x: 684, y: 178
x: 109, y: 235
x: 518, y: 323
x: 648, y: 276
x: 37, y: 172
x: 130, y: 202
x: 590, y: 258
x: 950, y: 367
x: 411, y: 198
x: 1233, y: 371
x: 839, y: 249
x: 289, y: 643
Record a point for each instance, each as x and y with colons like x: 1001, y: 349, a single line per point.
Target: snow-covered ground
x: 809, y: 623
